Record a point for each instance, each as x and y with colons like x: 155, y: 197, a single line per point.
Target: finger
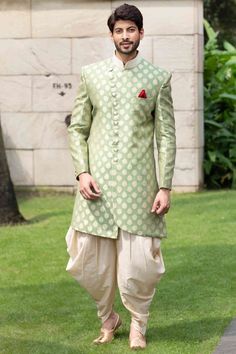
x: 95, y: 186
x: 83, y: 194
x: 94, y: 196
x: 160, y: 210
x: 155, y: 205
x: 86, y: 190
x: 167, y: 209
x: 163, y: 210
x: 91, y: 194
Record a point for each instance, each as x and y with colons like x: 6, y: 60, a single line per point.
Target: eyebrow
x: 126, y: 28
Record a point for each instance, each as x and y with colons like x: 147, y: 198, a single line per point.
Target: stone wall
x: 44, y: 43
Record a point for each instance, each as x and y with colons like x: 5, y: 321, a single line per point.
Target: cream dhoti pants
x: 132, y: 262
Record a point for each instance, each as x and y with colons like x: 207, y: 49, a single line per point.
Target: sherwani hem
x: 115, y: 236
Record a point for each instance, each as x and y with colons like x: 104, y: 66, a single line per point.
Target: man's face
x: 126, y: 37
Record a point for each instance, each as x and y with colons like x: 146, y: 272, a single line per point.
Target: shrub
x: 219, y: 112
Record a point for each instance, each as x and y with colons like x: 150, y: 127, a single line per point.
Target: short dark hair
x: 125, y: 12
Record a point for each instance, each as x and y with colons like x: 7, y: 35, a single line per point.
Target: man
x: 118, y: 219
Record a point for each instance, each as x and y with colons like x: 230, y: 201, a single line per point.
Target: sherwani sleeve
x: 79, y: 128
x: 165, y: 134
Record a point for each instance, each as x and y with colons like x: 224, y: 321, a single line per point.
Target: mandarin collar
x: 129, y: 65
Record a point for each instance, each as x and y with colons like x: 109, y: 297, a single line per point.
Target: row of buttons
x: 115, y: 140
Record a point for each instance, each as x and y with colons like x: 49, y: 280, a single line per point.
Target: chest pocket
x: 143, y: 105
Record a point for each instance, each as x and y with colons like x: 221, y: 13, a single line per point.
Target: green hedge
x: 221, y: 15
x: 219, y: 112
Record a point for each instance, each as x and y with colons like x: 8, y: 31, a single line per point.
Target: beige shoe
x: 138, y: 342
x: 106, y: 335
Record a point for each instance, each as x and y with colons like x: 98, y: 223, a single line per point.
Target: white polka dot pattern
x: 111, y: 137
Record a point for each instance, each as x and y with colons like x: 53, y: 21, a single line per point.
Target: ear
x: 141, y: 32
x: 111, y: 35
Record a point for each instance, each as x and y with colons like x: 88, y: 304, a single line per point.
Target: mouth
x: 126, y: 43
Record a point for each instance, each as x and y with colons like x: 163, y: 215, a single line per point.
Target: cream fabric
x: 132, y: 262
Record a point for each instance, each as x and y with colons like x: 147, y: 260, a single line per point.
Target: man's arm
x: 79, y: 130
x: 166, y: 145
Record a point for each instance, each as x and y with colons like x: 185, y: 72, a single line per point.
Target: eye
x: 118, y: 30
x: 132, y: 29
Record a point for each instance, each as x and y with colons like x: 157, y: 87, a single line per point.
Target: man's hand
x: 161, y: 203
x: 88, y: 187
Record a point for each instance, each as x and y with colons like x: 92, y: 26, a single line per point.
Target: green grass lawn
x: 43, y: 310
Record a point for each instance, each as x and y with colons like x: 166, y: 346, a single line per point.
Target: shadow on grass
x: 188, y: 331
x: 12, y: 345
x: 37, y: 219
x: 46, y: 303
x: 45, y: 216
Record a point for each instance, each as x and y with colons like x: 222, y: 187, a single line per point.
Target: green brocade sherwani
x: 112, y: 137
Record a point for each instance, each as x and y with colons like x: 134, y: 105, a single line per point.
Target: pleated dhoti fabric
x: 131, y: 262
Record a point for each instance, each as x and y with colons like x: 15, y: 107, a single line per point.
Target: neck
x: 126, y: 57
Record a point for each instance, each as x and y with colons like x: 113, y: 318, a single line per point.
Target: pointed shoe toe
x: 106, y: 335
x: 138, y: 342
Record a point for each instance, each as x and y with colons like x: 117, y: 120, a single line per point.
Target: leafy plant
x: 219, y: 112
x: 221, y: 15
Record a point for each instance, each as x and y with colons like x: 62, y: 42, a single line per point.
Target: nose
x: 125, y: 35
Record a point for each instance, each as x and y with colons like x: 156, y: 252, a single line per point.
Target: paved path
x: 227, y: 343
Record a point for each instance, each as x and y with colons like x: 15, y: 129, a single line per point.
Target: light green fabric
x: 112, y: 137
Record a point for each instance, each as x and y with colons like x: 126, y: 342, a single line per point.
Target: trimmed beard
x: 131, y: 51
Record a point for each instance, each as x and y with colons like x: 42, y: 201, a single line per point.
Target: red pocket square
x: 142, y: 94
